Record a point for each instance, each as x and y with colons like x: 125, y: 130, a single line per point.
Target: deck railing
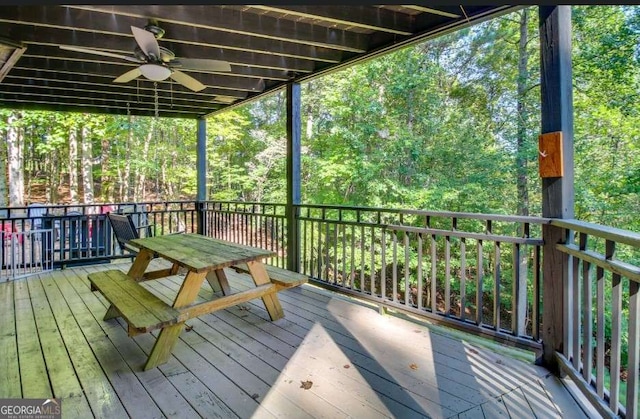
x: 82, y: 234
x: 476, y: 272
x: 480, y: 273
x: 257, y: 224
x: 601, y: 353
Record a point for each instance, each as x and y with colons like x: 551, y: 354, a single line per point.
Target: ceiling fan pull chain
x: 155, y: 93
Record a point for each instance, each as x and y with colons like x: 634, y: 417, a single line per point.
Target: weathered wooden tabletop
x: 200, y: 253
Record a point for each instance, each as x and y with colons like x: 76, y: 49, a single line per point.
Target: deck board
x: 10, y: 380
x: 237, y: 363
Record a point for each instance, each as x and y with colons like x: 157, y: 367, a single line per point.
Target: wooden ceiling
x: 267, y: 46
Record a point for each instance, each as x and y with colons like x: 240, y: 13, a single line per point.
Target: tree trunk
x: 106, y: 181
x: 73, y: 164
x: 522, y: 165
x: 87, y: 166
x: 3, y: 179
x: 521, y: 151
x: 126, y: 188
x: 142, y: 176
x: 14, y: 156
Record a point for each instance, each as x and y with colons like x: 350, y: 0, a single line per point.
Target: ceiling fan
x: 157, y: 63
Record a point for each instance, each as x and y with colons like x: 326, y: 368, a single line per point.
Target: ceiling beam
x: 95, y: 22
x: 88, y: 83
x: 80, y: 101
x: 439, y: 11
x: 40, y: 105
x: 55, y: 53
x: 231, y: 19
x: 112, y: 71
x: 81, y: 95
x: 128, y: 95
x: 365, y: 17
x: 126, y: 44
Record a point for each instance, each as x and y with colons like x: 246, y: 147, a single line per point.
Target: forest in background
x: 448, y: 124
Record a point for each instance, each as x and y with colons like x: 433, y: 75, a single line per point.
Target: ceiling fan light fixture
x: 155, y: 72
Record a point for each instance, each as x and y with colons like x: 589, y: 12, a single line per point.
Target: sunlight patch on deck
x: 316, y: 370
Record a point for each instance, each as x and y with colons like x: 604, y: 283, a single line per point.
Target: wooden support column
x: 293, y: 176
x: 557, y: 192
x: 201, y: 168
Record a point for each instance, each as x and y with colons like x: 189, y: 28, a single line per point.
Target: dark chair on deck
x: 125, y: 230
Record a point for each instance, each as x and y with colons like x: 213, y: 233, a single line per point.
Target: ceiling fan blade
x: 99, y: 52
x: 202, y: 64
x: 187, y: 81
x: 147, y: 42
x: 128, y: 76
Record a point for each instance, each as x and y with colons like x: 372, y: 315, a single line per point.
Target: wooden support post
x: 557, y: 192
x: 293, y: 176
x: 201, y: 167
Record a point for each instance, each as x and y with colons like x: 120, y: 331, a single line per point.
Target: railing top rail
x: 245, y: 202
x: 465, y: 234
x: 618, y: 235
x: 446, y: 214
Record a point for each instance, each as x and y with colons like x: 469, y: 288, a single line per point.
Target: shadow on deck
x: 329, y: 357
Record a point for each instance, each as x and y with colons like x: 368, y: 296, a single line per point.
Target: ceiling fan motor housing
x: 156, y: 30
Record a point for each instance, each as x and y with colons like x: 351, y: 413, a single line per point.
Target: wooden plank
x: 139, y: 266
x: 381, y: 384
x: 221, y: 303
x: 168, y: 336
x: 495, y: 408
x: 550, y: 162
x: 517, y: 405
x: 200, y: 253
x: 62, y: 375
x: 100, y: 394
x: 142, y: 310
x: 10, y: 377
x: 88, y: 310
x: 271, y: 302
x: 474, y: 413
x: 218, y: 281
x: 282, y: 277
x: 33, y: 372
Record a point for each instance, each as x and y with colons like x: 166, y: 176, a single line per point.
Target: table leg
x: 219, y: 282
x: 140, y: 264
x: 271, y: 301
x: 169, y: 335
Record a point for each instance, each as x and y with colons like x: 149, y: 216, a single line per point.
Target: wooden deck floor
x: 236, y: 363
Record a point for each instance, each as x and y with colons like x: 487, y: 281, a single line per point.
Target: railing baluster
x: 352, y: 272
x: 600, y: 328
x: 614, y: 369
x: 587, y: 320
x: 372, y: 272
x: 327, y: 257
x: 362, y: 287
x: 497, y: 274
x: 616, y: 308
x: 479, y: 285
x: 535, y: 311
x: 463, y: 278
x: 633, y: 348
x: 407, y: 285
x: 394, y: 272
x: 344, y: 255
x: 383, y: 258
x: 434, y: 277
x: 319, y: 250
x: 447, y: 276
x: 419, y: 273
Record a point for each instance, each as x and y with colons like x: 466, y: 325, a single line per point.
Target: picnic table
x: 203, y: 258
